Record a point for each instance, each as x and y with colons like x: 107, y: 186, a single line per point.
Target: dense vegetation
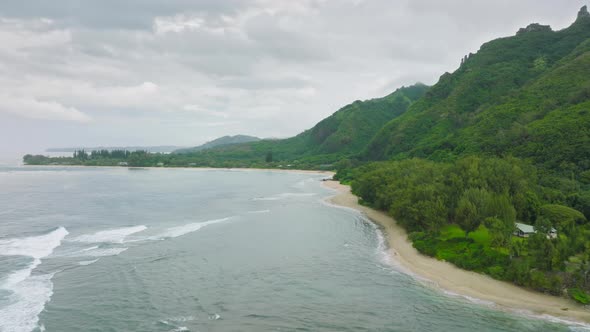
x: 503, y: 139
x: 464, y: 212
x: 525, y: 95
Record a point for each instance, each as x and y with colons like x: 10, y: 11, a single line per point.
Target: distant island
x: 153, y: 149
x: 489, y: 169
x: 221, y: 141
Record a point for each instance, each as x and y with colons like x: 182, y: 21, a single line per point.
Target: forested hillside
x: 502, y: 140
x: 500, y: 101
x: 344, y: 134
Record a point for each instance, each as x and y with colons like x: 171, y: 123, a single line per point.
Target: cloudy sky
x: 147, y: 72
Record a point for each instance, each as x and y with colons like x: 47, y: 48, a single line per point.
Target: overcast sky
x: 146, y: 72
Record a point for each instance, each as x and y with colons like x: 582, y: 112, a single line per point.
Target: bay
x: 117, y: 249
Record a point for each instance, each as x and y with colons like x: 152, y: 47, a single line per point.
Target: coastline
x: 240, y: 169
x: 450, y: 278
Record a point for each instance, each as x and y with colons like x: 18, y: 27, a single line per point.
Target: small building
x: 160, y: 164
x: 524, y: 230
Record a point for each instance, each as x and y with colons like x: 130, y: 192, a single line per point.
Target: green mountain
x: 344, y: 133
x: 503, y: 141
x: 221, y: 141
x: 525, y: 95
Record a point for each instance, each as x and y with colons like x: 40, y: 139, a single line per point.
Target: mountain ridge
x: 221, y: 141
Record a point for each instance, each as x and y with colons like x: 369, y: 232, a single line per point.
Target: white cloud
x: 45, y: 110
x: 176, y: 71
x: 177, y: 23
x: 196, y: 109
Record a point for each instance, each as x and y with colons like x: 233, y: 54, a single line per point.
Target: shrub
x: 496, y: 272
x: 579, y: 295
x: 562, y: 214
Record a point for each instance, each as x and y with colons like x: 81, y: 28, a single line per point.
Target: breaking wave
x: 283, y: 196
x: 177, y: 231
x: 28, y: 293
x: 116, y: 235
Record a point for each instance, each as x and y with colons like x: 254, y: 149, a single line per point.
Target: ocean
x: 118, y: 249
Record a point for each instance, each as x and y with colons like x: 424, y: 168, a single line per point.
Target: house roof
x: 529, y: 228
x: 525, y: 228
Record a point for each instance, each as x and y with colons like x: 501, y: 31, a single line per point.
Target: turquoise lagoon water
x: 116, y: 249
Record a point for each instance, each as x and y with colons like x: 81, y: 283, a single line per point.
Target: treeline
x: 105, y: 154
x: 98, y: 158
x: 465, y: 213
x: 264, y: 159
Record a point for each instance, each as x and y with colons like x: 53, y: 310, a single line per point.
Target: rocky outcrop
x: 534, y: 27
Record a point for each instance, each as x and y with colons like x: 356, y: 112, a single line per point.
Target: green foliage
x: 526, y: 95
x: 472, y: 209
x: 464, y: 213
x: 563, y: 217
x: 579, y: 295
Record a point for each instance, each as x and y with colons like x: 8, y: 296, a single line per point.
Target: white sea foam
x: 101, y: 252
x: 94, y: 251
x: 182, y: 318
x: 259, y: 211
x: 177, y: 328
x: 185, y: 229
x: 116, y: 235
x: 469, y: 298
x: 214, y: 317
x: 28, y: 293
x: 571, y: 324
x: 90, y: 248
x: 84, y: 263
x: 27, y: 301
x: 326, y: 201
x: 283, y: 196
x: 34, y: 246
x: 382, y: 249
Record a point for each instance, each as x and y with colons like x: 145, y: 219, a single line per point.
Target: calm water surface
x: 116, y: 249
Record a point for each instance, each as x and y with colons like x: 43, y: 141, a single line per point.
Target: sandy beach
x: 451, y: 278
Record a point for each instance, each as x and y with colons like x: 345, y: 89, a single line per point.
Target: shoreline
x: 300, y: 171
x: 448, y: 277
